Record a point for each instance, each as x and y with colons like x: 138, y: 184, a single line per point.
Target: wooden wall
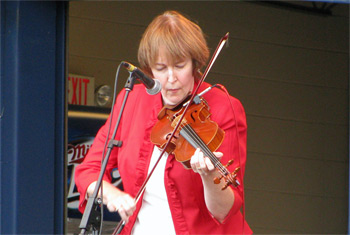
x: 290, y: 70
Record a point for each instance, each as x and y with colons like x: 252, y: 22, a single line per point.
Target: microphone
x: 153, y: 86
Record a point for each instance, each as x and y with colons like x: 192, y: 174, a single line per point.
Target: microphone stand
x: 91, y: 220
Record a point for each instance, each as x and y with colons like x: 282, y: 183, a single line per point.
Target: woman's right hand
x: 116, y: 200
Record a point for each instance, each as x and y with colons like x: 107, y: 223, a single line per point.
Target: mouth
x: 173, y: 89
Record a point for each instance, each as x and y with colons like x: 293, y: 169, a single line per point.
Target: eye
x: 180, y: 65
x: 160, y: 68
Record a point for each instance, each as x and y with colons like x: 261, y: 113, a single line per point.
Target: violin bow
x: 211, y: 62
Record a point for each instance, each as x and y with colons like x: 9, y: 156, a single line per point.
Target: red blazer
x: 183, y: 187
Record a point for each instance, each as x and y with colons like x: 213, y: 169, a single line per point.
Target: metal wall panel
x: 32, y: 125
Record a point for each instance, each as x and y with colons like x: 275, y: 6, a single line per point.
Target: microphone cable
x: 107, y: 139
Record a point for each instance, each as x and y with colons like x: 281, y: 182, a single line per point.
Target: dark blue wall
x: 32, y: 123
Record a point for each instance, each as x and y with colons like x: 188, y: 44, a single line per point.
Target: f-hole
x: 168, y: 136
x: 193, y: 118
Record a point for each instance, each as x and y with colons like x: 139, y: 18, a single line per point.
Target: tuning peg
x: 230, y: 178
x: 218, y: 179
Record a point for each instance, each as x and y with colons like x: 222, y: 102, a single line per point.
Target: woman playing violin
x: 176, y: 200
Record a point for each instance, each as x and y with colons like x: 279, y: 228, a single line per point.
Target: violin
x: 196, y: 130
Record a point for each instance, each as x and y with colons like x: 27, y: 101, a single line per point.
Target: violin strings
x: 203, y: 146
x: 189, y: 130
x: 191, y: 133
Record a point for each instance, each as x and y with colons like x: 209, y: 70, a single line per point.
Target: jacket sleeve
x: 231, y: 117
x: 88, y: 171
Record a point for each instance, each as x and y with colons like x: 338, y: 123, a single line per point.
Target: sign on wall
x: 81, y: 90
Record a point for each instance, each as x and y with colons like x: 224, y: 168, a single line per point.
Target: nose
x: 171, y: 76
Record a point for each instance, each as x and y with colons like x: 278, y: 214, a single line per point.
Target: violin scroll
x: 230, y: 178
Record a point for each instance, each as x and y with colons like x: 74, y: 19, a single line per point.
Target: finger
x: 111, y: 207
x: 129, y: 205
x: 194, y: 160
x: 218, y: 154
x: 201, y: 165
x: 209, y: 164
x: 201, y: 161
x: 122, y: 213
x: 196, y: 154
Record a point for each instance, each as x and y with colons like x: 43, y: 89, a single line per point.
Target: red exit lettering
x: 79, y: 87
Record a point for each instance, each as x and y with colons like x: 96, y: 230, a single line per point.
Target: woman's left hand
x: 219, y: 202
x: 202, y: 164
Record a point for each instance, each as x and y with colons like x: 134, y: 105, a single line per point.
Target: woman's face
x: 177, y: 79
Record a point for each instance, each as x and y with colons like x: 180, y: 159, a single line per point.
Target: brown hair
x: 180, y: 36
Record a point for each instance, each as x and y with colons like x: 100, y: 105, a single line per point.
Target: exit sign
x: 81, y: 90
